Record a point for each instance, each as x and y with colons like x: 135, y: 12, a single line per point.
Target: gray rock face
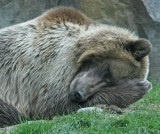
x: 153, y: 9
x: 141, y: 16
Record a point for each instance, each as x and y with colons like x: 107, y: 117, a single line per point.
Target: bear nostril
x: 79, y: 96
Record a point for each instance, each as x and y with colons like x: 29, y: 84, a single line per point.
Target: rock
x: 141, y: 16
x: 90, y: 109
x: 153, y: 9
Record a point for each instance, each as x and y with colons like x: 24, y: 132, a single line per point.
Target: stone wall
x: 141, y: 16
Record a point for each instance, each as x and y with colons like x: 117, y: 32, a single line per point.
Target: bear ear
x: 140, y: 48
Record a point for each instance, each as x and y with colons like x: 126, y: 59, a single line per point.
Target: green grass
x: 143, y: 117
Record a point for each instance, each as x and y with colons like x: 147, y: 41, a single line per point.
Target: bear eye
x: 106, y: 76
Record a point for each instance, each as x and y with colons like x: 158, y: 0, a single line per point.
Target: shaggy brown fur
x: 62, y: 61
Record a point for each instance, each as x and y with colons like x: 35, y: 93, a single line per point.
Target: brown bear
x: 62, y: 61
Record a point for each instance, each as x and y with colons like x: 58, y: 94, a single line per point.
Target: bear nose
x: 78, y: 96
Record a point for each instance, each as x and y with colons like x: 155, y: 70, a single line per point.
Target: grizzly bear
x: 62, y: 61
